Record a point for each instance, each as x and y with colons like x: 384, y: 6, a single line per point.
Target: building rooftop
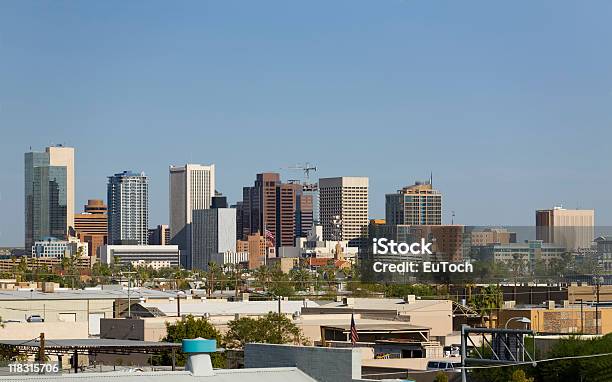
x: 83, y: 294
x: 280, y: 374
x: 216, y: 307
x: 396, y: 304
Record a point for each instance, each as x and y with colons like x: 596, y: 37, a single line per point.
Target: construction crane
x: 306, y: 168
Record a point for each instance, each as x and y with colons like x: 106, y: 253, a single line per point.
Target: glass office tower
x: 49, y: 191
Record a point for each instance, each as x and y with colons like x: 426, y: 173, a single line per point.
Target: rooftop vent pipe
x: 198, y: 357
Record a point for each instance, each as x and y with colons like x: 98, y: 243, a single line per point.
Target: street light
x: 597, y: 281
x: 522, y: 320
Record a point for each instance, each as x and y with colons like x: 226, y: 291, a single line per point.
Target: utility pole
x: 41, y: 349
x: 280, y: 334
x: 598, y: 282
x: 581, y: 316
x: 129, y: 291
x: 463, y: 354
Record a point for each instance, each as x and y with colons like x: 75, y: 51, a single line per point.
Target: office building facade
x: 159, y: 235
x: 192, y: 187
x: 285, y: 210
x: 572, y: 229
x: 344, y: 208
x: 49, y: 193
x: 213, y: 231
x: 419, y: 204
x: 128, y: 208
x: 155, y: 256
x: 91, y: 226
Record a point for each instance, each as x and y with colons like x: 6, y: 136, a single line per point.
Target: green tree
x: 489, y: 299
x: 519, y: 375
x: 272, y: 328
x: 441, y: 377
x: 187, y: 328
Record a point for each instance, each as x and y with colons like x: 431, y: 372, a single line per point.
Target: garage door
x: 94, y: 323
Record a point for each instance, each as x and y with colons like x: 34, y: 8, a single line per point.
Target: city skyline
x: 502, y: 116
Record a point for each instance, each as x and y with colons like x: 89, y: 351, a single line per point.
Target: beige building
x: 566, y: 319
x: 419, y: 204
x: 66, y: 306
x: 491, y: 236
x: 344, y: 208
x: 64, y: 156
x: 572, y: 229
x: 192, y: 187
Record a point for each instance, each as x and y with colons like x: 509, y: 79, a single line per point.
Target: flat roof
x: 277, y: 374
x: 89, y: 346
x: 83, y: 294
x: 383, y: 326
x: 215, y: 307
x: 90, y: 343
x: 397, y: 304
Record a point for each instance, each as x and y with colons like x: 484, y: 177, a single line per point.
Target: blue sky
x: 509, y: 104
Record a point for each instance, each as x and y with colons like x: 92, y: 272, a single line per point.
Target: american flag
x: 354, y: 335
x: 269, y: 236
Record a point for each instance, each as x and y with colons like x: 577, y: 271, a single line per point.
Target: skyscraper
x: 159, y: 235
x: 49, y: 194
x: 344, y: 203
x: 572, y: 229
x: 213, y: 231
x: 128, y: 208
x: 419, y: 204
x: 91, y: 226
x: 259, y: 205
x: 192, y: 187
x: 283, y: 209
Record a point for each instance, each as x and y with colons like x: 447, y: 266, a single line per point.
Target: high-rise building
x: 159, y: 235
x: 49, y: 193
x: 293, y: 214
x: 259, y: 205
x: 213, y: 231
x: 419, y: 204
x: 192, y: 187
x: 91, y: 226
x: 344, y: 208
x: 283, y: 209
x: 572, y: 229
x: 128, y: 208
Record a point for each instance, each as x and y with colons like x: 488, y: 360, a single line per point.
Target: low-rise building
x: 554, y: 319
x: 149, y: 255
x: 55, y: 248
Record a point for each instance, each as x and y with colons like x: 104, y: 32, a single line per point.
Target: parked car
x: 35, y: 318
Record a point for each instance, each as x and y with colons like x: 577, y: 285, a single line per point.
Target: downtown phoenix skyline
x: 509, y: 121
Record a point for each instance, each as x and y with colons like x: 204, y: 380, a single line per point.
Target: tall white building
x: 213, y: 232
x: 128, y: 208
x: 573, y: 229
x: 343, y: 208
x: 192, y: 187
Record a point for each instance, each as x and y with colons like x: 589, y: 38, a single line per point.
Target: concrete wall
x: 55, y: 330
x: 54, y: 310
x: 322, y: 364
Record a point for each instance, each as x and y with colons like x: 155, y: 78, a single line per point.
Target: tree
x: 441, y: 377
x: 272, y: 328
x: 519, y: 376
x: 187, y: 328
x: 489, y: 299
